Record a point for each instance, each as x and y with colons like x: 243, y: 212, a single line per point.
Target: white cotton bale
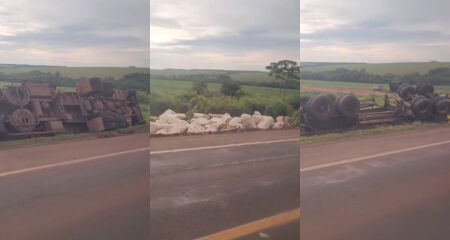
x: 247, y: 121
x: 200, y: 121
x: 278, y: 125
x: 214, y: 115
x: 266, y: 122
x: 201, y: 115
x: 212, y: 128
x: 195, y: 129
x: 176, y: 129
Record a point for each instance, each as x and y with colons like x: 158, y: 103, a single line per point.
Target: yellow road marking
x: 253, y: 227
x: 223, y: 146
x: 358, y: 159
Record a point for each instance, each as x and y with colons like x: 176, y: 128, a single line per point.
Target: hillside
x: 377, y: 68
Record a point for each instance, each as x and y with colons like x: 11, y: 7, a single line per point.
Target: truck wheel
x: 422, y: 108
x: 441, y: 106
x: 3, y: 131
x: 406, y: 91
x: 23, y: 120
x: 424, y: 89
x: 348, y: 106
x: 321, y: 107
x: 17, y: 96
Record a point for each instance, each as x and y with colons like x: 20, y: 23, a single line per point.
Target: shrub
x: 294, y: 102
x: 252, y: 105
x: 278, y: 108
x: 200, y: 87
x: 294, y: 120
x: 230, y: 88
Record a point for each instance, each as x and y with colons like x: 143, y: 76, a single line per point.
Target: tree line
x: 135, y: 81
x: 439, y: 76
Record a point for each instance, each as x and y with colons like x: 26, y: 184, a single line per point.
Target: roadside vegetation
x: 369, y: 132
x: 60, y: 138
x: 181, y: 96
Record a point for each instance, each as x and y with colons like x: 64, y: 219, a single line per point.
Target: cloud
x: 72, y: 30
x: 374, y: 31
x: 226, y: 34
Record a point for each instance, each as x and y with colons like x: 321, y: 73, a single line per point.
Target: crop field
x: 166, y: 94
x: 170, y: 88
x: 383, y: 68
x: 243, y: 76
x: 80, y: 72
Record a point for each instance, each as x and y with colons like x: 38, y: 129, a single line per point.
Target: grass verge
x: 369, y: 132
x: 60, y: 138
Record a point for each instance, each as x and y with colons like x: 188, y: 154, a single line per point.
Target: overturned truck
x: 36, y: 108
x: 326, y: 113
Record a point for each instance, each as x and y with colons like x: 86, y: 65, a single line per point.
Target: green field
x: 243, y: 76
x: 80, y: 72
x: 166, y: 94
x: 170, y: 88
x: 382, y: 68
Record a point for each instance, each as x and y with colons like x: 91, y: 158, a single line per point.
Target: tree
x: 284, y: 70
x: 200, y: 87
x: 231, y: 88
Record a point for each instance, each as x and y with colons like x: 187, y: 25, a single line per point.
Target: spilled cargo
x: 36, y: 108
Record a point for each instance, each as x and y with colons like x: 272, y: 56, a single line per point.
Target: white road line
x: 223, y: 146
x: 72, y: 162
x: 88, y: 159
x: 358, y: 159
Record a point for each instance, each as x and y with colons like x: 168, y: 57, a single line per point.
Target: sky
x: 374, y: 30
x: 75, y: 32
x: 223, y: 34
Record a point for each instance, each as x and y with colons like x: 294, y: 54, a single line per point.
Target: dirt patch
x: 356, y: 91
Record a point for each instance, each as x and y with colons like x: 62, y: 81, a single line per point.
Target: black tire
x: 332, y: 97
x: 321, y: 107
x: 424, y: 89
x: 441, y: 107
x: 3, y: 131
x: 23, y: 120
x: 107, y: 89
x: 406, y: 91
x: 96, y: 85
x: 348, y: 106
x: 422, y: 108
x: 17, y: 96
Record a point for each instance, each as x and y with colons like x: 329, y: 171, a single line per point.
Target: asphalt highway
x: 388, y: 187
x: 75, y: 191
x: 202, y: 186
